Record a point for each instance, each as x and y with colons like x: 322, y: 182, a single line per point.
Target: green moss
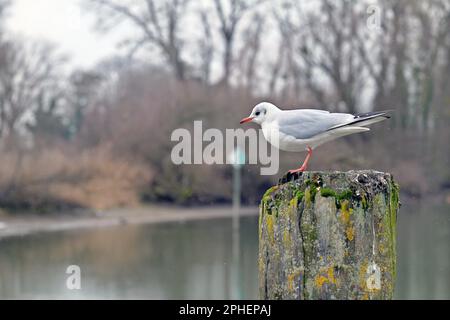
x: 271, y: 201
x: 344, y: 195
x: 395, y: 189
x: 364, y: 202
x: 270, y: 228
x: 327, y: 192
x: 310, y: 195
x: 387, y: 231
x: 313, y: 192
x: 296, y: 199
x: 393, y: 207
x: 299, y: 195
x: 268, y: 194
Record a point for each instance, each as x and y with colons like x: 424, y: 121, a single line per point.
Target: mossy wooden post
x: 329, y: 235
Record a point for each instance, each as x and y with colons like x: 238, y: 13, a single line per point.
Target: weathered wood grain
x: 329, y: 235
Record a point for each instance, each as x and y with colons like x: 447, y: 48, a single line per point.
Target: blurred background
x: 91, y: 90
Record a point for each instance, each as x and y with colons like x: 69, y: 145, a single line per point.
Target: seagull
x: 306, y: 129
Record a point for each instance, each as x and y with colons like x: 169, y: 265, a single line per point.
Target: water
x: 163, y: 261
x: 423, y: 252
x: 195, y: 260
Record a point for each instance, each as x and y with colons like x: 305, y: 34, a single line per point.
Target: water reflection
x: 423, y: 251
x: 174, y: 261
x: 194, y: 260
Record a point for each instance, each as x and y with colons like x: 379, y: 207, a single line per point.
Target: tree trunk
x: 329, y: 235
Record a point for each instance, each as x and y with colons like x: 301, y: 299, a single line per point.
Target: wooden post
x: 329, y: 235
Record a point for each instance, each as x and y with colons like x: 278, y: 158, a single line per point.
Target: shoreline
x: 31, y: 223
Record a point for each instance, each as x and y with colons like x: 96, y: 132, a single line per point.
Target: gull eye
x: 257, y: 113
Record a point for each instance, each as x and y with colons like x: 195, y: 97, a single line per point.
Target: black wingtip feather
x: 384, y: 113
x: 361, y: 117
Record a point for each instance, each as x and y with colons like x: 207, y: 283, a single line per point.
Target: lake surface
x: 196, y: 260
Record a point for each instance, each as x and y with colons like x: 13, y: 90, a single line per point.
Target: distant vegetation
x: 100, y: 138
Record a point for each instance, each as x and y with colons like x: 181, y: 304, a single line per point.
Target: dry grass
x: 92, y: 178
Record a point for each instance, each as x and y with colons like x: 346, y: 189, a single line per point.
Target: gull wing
x: 307, y: 123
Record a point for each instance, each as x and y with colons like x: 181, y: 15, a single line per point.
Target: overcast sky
x: 64, y: 23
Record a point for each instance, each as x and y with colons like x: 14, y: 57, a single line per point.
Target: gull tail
x: 364, y: 119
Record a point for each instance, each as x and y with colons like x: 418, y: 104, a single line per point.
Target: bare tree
x: 158, y: 22
x: 251, y: 49
x: 287, y: 66
x: 206, y: 47
x: 405, y: 56
x: 329, y: 47
x: 84, y: 87
x: 26, y: 71
x: 230, y: 14
x: 49, y: 123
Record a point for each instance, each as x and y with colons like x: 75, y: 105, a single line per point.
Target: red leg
x: 305, y: 163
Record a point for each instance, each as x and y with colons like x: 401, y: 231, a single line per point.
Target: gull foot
x: 301, y: 169
x: 291, y: 175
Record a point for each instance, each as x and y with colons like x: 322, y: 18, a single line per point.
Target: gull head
x: 261, y: 112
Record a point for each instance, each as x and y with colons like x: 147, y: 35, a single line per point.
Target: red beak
x: 246, y: 120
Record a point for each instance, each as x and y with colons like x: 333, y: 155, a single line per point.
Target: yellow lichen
x: 286, y: 239
x: 320, y: 280
x: 331, y: 277
x: 291, y: 279
x: 261, y: 265
x: 362, y: 275
x: 269, y: 223
x: 327, y: 278
x: 293, y: 203
x: 290, y: 282
x: 350, y: 233
x: 307, y: 196
x: 345, y: 212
